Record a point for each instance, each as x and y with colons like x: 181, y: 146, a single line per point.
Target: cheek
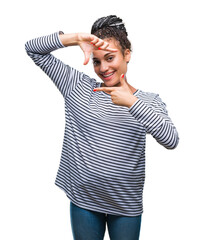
x: 121, y: 67
x: 116, y: 64
x: 95, y: 69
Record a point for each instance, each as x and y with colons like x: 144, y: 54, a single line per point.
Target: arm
x: 87, y: 42
x: 156, y: 121
x: 65, y: 77
x: 70, y: 39
x: 39, y: 50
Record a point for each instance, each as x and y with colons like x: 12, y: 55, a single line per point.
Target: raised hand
x: 89, y: 42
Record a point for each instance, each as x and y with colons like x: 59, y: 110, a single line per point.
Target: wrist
x: 70, y: 39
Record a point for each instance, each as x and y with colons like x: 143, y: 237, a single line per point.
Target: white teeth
x: 108, y: 75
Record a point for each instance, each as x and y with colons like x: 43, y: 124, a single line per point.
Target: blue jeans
x: 90, y: 225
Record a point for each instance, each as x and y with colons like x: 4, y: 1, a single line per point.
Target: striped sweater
x: 102, y: 165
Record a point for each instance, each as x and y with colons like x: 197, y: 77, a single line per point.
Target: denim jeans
x: 91, y: 225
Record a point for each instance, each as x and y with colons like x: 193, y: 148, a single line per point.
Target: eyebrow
x: 104, y: 55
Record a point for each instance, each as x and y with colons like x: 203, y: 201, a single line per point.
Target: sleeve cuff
x: 59, y: 41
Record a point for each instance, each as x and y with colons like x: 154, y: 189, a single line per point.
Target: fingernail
x: 123, y: 76
x: 99, y: 48
x: 94, y: 90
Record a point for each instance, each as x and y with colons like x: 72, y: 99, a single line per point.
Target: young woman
x: 102, y: 166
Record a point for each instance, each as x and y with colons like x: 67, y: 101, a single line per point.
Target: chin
x: 111, y: 83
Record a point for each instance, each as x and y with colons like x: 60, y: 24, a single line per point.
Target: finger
x: 105, y: 46
x: 122, y: 79
x: 111, y: 49
x: 108, y: 89
x: 94, y: 41
x: 87, y: 56
x: 90, y: 38
x: 102, y: 45
x: 99, y: 43
x: 108, y: 49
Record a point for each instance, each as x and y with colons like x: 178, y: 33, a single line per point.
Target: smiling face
x: 110, y: 65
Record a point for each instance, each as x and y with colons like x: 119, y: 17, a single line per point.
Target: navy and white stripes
x: 102, y: 166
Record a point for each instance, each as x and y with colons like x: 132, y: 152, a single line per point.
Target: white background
x: 167, y: 58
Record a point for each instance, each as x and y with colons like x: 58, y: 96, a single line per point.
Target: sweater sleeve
x: 156, y: 121
x: 39, y: 49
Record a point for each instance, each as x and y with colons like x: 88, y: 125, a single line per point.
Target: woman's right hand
x: 89, y: 42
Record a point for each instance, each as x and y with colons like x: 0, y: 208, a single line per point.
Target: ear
x: 127, y: 55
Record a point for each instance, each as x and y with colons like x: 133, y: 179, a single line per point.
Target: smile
x: 108, y: 76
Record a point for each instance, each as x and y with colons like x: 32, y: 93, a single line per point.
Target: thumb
x: 87, y: 56
x: 122, y: 79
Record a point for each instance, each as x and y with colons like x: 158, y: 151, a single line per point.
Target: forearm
x: 159, y: 125
x: 39, y: 50
x: 70, y: 39
x: 43, y: 45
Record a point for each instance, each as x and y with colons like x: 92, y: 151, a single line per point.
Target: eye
x: 110, y: 58
x: 96, y: 62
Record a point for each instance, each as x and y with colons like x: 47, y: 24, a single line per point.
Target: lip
x: 110, y: 77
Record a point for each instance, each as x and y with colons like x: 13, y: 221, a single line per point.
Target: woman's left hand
x: 121, y: 95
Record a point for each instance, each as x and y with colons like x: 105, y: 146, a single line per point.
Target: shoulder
x: 147, y: 97
x: 153, y: 100
x: 87, y: 79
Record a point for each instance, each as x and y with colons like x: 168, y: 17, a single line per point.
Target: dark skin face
x: 110, y: 65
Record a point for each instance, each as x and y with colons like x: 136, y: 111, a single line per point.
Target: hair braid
x: 112, y: 27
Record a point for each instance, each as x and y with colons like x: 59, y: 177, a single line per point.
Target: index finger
x: 111, y: 49
x: 104, y: 89
x: 102, y: 45
x: 108, y: 49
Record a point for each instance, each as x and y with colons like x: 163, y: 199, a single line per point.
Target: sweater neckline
x: 100, y: 83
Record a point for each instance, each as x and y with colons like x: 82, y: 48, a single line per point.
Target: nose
x: 103, y: 67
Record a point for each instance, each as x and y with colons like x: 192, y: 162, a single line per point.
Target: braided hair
x: 112, y: 27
